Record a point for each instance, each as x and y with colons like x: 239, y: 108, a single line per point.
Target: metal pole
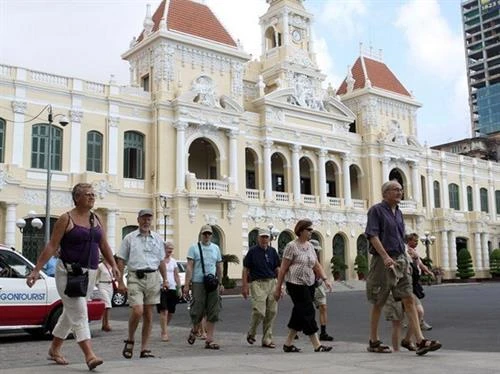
x: 47, y: 191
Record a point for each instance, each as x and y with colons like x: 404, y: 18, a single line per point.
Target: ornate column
x: 233, y: 158
x: 180, y: 174
x: 478, y: 253
x: 346, y: 180
x: 486, y: 253
x: 415, y: 182
x: 453, y: 251
x: 268, y: 182
x: 476, y: 199
x: 286, y: 35
x: 19, y: 108
x: 385, y: 168
x: 444, y: 250
x: 111, y: 228
x: 296, y: 172
x: 75, y: 116
x: 430, y: 188
x: 113, y: 149
x: 463, y: 190
x: 10, y: 224
x: 492, y: 198
x: 445, y: 196
x: 322, y: 175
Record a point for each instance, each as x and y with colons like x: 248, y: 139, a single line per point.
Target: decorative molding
x: 113, y: 121
x: 231, y: 208
x: 19, y: 107
x: 76, y: 115
x: 236, y: 79
x: 3, y: 179
x: 204, y: 89
x: 58, y: 199
x: 102, y: 188
x: 193, y: 206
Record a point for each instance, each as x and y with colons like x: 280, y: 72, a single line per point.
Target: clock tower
x: 287, y: 47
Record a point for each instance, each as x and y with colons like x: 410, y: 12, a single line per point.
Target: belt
x: 263, y: 279
x: 144, y: 270
x: 107, y: 282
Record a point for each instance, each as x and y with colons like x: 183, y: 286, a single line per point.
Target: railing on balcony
x: 408, y: 205
x: 212, y: 185
x: 309, y: 199
x: 253, y: 194
x: 335, y: 202
x: 359, y: 204
x: 281, y: 197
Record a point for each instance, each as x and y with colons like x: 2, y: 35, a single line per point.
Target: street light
x: 36, y: 223
x: 273, y: 233
x: 427, y: 240
x: 63, y: 122
x: 166, y: 213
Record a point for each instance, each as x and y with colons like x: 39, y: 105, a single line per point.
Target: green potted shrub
x: 495, y: 263
x: 226, y: 260
x: 337, y: 266
x: 361, y: 265
x: 465, y: 270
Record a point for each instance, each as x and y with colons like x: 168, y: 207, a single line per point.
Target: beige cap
x: 264, y: 232
x: 145, y: 212
x: 206, y: 228
x: 315, y: 244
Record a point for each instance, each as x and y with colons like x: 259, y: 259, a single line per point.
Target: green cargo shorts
x: 204, y: 304
x: 382, y: 281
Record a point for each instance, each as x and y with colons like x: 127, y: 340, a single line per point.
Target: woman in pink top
x: 299, y: 269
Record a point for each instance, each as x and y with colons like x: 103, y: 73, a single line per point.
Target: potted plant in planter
x: 338, y: 266
x: 438, y: 274
x: 361, y: 266
x: 465, y: 270
x: 495, y: 263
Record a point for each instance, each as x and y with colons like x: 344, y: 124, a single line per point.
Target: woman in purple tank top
x: 72, y: 233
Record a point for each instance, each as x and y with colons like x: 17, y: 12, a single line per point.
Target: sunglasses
x: 207, y: 233
x: 310, y: 229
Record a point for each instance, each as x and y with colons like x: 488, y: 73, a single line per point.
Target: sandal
x: 378, y: 347
x: 408, y: 345
x: 290, y: 348
x: 191, y: 337
x: 323, y: 348
x: 211, y: 345
x: 57, y: 358
x: 94, y: 362
x: 268, y: 345
x: 250, y: 339
x: 427, y: 346
x: 146, y: 353
x: 128, y: 349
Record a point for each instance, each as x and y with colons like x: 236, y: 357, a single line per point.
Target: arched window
x: 497, y: 199
x: 423, y: 189
x: 437, y: 195
x: 483, y: 195
x: 2, y: 140
x: 284, y: 238
x: 39, y: 147
x: 454, y: 198
x: 94, y: 151
x: 252, y: 238
x: 133, y: 155
x: 339, y: 246
x: 470, y: 204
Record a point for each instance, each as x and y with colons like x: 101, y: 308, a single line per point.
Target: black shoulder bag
x: 209, y: 280
x: 78, y: 281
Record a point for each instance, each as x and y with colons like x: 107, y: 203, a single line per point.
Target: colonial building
x: 203, y: 134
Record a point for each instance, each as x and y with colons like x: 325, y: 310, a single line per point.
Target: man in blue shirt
x: 260, y: 268
x: 204, y: 303
x: 389, y: 266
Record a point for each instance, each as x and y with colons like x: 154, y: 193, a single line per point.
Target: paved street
x: 464, y: 319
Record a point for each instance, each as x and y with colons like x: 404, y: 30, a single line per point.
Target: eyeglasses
x: 89, y: 194
x: 397, y: 189
x: 310, y: 229
x: 207, y: 233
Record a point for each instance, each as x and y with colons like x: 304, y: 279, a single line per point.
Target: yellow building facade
x: 203, y: 134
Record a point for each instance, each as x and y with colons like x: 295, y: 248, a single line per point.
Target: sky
x: 421, y: 42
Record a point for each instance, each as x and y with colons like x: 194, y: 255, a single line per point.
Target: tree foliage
x: 465, y: 269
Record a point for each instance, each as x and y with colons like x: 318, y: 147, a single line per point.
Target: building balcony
x: 207, y: 187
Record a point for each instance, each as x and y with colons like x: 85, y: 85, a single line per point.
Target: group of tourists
x: 153, y: 280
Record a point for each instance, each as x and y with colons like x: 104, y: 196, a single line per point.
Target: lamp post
x: 427, y: 240
x: 36, y: 223
x: 273, y: 233
x: 63, y: 122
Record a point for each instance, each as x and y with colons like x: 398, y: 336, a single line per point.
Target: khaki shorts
x: 320, y: 295
x: 382, y: 281
x: 145, y: 291
x: 204, y: 304
x: 393, y: 310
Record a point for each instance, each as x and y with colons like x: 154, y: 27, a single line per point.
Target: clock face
x: 296, y: 35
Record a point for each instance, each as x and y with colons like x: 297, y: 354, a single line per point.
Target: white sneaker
x: 424, y: 326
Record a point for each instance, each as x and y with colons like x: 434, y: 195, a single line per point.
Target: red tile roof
x: 379, y: 75
x: 191, y: 18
